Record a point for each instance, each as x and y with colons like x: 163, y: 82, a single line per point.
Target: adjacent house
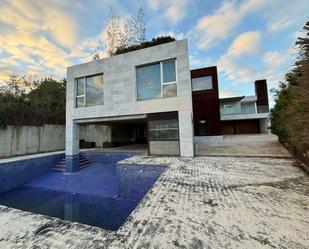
x: 150, y: 96
x: 246, y: 114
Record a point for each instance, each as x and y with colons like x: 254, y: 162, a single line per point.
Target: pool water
x: 102, y: 195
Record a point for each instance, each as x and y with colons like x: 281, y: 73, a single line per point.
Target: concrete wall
x: 21, y: 140
x: 264, y: 124
x: 169, y: 148
x: 95, y: 133
x: 120, y: 96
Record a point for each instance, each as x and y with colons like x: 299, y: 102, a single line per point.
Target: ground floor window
x: 163, y: 129
x: 163, y: 134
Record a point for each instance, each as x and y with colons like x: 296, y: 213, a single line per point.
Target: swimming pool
x: 103, y: 194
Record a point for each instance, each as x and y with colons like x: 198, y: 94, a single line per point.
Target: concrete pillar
x: 71, y: 145
x: 264, y: 124
x: 186, y: 133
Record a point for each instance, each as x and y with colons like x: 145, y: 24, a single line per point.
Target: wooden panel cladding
x: 251, y: 126
x: 206, y: 103
x: 261, y: 92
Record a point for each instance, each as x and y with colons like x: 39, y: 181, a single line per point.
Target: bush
x: 44, y: 104
x: 146, y: 44
x: 290, y: 115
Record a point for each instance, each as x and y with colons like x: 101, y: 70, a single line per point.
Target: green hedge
x: 146, y: 44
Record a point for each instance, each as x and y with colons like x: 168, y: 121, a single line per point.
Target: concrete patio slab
x: 260, y: 145
x: 202, y: 202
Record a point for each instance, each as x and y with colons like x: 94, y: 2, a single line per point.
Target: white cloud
x: 218, y: 26
x: 232, y: 63
x: 227, y: 94
x: 172, y: 11
x: 247, y: 46
x: 36, y: 37
x: 248, y: 43
x: 288, y: 14
x: 40, y: 17
x: 277, y: 64
x: 224, y: 21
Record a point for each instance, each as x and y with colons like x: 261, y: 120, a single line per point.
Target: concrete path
x: 262, y: 145
x: 202, y: 202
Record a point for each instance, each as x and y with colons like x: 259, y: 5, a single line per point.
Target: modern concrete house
x: 150, y: 96
x: 143, y: 93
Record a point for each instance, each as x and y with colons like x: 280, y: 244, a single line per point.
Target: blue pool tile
x: 103, y: 194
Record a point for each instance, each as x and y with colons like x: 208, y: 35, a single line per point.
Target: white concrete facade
x: 120, y: 92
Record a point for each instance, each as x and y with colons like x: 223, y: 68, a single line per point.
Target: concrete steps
x: 83, y: 163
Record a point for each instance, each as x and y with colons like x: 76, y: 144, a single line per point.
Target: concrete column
x: 186, y: 133
x: 264, y: 124
x: 71, y: 145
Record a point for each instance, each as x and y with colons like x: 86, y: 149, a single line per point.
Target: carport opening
x: 129, y: 134
x: 125, y: 133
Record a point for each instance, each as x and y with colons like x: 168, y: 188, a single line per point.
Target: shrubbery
x: 146, y: 44
x: 290, y: 115
x: 32, y: 102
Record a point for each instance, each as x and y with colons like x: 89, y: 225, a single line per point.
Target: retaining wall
x: 23, y: 140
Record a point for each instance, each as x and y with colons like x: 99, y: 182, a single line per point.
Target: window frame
x: 164, y: 129
x: 85, y: 95
x: 162, y: 83
x: 203, y: 89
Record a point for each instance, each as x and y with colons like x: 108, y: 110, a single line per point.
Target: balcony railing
x: 229, y: 112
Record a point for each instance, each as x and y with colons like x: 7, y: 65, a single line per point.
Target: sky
x: 247, y: 39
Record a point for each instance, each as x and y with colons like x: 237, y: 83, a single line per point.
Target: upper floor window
x: 157, y: 80
x: 89, y: 91
x: 202, y: 83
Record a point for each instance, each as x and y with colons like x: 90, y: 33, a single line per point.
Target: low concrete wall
x: 164, y: 148
x: 15, y: 173
x: 23, y: 140
x: 203, y: 139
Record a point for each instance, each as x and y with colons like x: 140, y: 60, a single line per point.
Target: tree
x: 24, y: 101
x: 113, y: 38
x: 140, y: 26
x: 122, y: 32
x: 290, y: 115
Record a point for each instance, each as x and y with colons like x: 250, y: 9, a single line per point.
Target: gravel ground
x: 201, y: 202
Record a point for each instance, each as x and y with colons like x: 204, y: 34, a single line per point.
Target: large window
x: 163, y: 130
x: 202, y: 83
x: 157, y: 80
x: 89, y: 91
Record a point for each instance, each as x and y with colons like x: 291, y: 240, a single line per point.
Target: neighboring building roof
x: 251, y: 98
x: 231, y: 99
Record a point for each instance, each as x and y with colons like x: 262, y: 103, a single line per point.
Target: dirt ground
x: 265, y: 145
